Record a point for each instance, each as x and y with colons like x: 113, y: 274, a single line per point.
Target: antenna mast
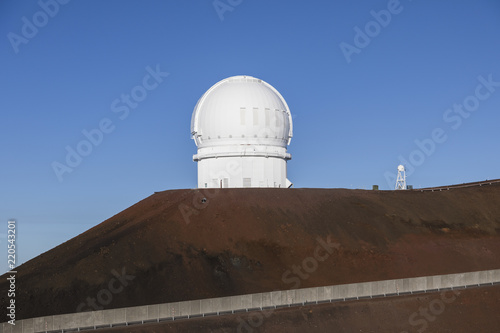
x: 401, y: 180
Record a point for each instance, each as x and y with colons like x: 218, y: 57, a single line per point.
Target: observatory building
x: 242, y: 127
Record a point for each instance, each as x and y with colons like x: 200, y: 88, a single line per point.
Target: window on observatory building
x: 247, y: 182
x: 225, y: 183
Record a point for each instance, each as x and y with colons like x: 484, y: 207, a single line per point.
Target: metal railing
x: 225, y: 305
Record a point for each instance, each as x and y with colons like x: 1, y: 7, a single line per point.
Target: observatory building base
x: 240, y: 171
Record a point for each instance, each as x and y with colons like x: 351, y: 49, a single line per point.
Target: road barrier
x: 242, y: 303
x: 446, y: 188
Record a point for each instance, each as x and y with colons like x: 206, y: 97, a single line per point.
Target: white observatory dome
x: 242, y: 119
x: 241, y: 110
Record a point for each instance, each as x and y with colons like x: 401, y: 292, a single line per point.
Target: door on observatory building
x: 220, y: 183
x: 246, y: 171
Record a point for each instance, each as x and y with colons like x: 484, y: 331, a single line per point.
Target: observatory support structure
x: 244, y: 169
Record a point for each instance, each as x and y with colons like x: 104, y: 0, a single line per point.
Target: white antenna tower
x: 401, y: 180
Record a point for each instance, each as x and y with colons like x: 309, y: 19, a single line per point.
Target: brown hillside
x: 247, y: 240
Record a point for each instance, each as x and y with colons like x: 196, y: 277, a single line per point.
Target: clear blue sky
x: 359, y: 100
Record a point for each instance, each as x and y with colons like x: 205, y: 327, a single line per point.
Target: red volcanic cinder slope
x: 172, y: 246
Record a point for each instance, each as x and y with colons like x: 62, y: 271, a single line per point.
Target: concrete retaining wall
x: 210, y: 306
